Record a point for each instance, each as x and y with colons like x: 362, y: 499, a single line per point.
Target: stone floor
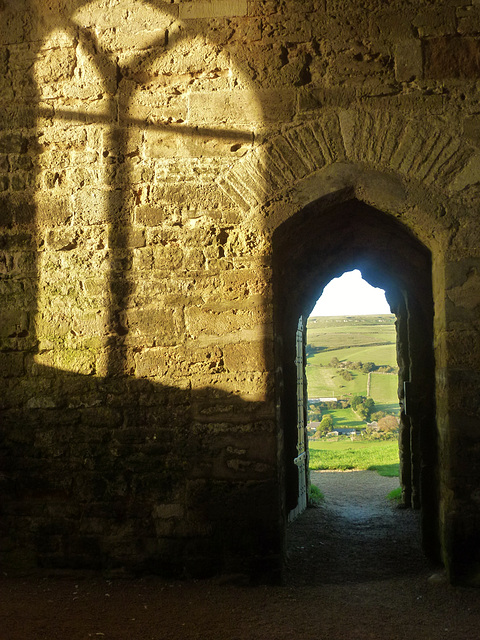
x: 355, y: 572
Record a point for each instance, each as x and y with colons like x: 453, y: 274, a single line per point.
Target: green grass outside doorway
x: 344, y: 455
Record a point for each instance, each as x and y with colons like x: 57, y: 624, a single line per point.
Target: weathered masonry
x: 178, y: 181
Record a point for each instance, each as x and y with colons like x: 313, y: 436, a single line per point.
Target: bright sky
x: 351, y: 295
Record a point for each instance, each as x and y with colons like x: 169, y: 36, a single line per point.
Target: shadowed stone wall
x: 149, y: 151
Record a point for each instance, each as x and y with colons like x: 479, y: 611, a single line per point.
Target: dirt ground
x: 355, y: 572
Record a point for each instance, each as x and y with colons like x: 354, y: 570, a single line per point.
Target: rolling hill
x: 352, y: 339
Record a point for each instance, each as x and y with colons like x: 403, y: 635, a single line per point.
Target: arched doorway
x: 310, y: 248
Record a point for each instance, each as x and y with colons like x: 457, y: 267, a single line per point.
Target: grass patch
x: 395, y: 496
x: 340, y: 445
x: 315, y: 496
x: 386, y: 470
x: 344, y: 455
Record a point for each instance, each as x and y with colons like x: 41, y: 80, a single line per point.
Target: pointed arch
x: 309, y: 249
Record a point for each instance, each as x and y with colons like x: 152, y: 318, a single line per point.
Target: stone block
x: 6, y: 213
x: 101, y: 417
x: 187, y: 142
x: 41, y: 402
x: 14, y: 26
x: 243, y: 30
x: 150, y: 363
x: 241, y: 108
x: 153, y: 322
x: 145, y: 27
x: 462, y: 349
x: 136, y: 239
x: 6, y: 90
x: 223, y: 319
x: 26, y: 263
x: 17, y: 112
x: 64, y: 239
x: 13, y: 323
x: 95, y: 206
x: 167, y: 257
x: 191, y: 199
x: 76, y: 361
x: 468, y: 19
x: 387, y: 192
x: 149, y: 216
x: 21, y: 162
x: 119, y: 239
x: 469, y: 175
x: 463, y: 284
x: 147, y: 109
x: 194, y: 259
x: 19, y: 182
x: 13, y: 143
x: 143, y: 262
x: 245, y: 356
x: 408, y: 60
x: 448, y: 57
x: 280, y: 28
x: 11, y: 365
x: 55, y: 65
x: 3, y: 60
x: 471, y: 129
x: 434, y: 21
x: 212, y: 9
x: 90, y: 323
x: 462, y: 398
x: 314, y: 98
x: 165, y: 511
x: 50, y: 211
x: 392, y: 25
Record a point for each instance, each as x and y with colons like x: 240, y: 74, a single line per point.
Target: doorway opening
x: 352, y: 379
x: 311, y: 248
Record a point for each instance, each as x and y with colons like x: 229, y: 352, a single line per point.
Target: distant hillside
x: 350, y: 340
x: 356, y: 320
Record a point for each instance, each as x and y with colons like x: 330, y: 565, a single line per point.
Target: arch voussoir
x: 376, y: 139
x: 328, y: 133
x: 288, y: 158
x: 303, y: 138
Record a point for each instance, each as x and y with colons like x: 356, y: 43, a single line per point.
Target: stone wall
x: 149, y: 151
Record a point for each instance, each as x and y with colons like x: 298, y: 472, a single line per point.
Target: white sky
x: 351, y: 295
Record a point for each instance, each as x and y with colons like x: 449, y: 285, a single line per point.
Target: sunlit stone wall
x: 148, y: 151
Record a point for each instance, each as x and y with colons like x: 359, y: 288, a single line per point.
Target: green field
x: 345, y: 418
x: 384, y: 390
x: 343, y: 455
x: 348, y: 337
x: 355, y: 339
x: 326, y: 382
x: 383, y: 386
x: 345, y: 333
x: 380, y: 354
